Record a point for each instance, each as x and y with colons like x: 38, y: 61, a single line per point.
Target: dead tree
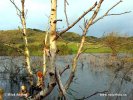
x: 53, y: 72
x: 21, y: 13
x: 55, y: 77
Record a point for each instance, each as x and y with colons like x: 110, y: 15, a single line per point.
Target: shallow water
x: 92, y: 76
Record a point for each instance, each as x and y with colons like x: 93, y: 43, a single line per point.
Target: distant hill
x: 36, y: 35
x: 35, y: 40
x: 71, y: 36
x: 67, y: 44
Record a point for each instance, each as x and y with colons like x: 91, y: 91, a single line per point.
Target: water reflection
x: 92, y: 75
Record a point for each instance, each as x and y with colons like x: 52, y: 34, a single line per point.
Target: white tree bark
x: 26, y: 50
x: 53, y: 46
x: 45, y: 54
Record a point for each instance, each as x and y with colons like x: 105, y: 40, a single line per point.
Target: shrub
x: 64, y: 50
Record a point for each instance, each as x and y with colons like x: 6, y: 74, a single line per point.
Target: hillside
x: 35, y: 39
x: 68, y: 44
x: 35, y: 35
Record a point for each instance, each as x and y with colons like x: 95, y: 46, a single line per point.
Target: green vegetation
x: 68, y: 44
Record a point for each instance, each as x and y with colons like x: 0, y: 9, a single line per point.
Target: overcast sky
x: 39, y: 10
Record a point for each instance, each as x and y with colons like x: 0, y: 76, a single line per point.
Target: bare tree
x: 112, y: 41
x: 21, y: 13
x: 50, y: 47
x: 54, y: 38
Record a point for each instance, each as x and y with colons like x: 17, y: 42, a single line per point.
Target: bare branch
x: 85, y: 22
x: 45, y: 92
x: 74, y: 63
x: 70, y: 26
x: 19, y: 12
x: 119, y: 13
x: 81, y: 28
x: 60, y: 85
x: 107, y: 13
x: 66, y: 3
x: 67, y: 67
x: 57, y: 20
x: 12, y: 1
x: 113, y: 7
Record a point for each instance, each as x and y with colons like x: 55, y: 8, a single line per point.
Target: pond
x: 92, y: 76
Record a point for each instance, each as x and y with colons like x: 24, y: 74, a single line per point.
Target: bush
x: 64, y: 50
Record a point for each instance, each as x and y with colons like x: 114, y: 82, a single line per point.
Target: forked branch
x: 75, y: 59
x: 107, y: 12
x: 74, y: 23
x: 87, y: 26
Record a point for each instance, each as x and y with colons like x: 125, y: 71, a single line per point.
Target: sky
x: 38, y: 12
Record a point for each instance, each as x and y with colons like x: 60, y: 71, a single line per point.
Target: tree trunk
x: 52, y: 41
x: 26, y: 50
x: 53, y: 47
